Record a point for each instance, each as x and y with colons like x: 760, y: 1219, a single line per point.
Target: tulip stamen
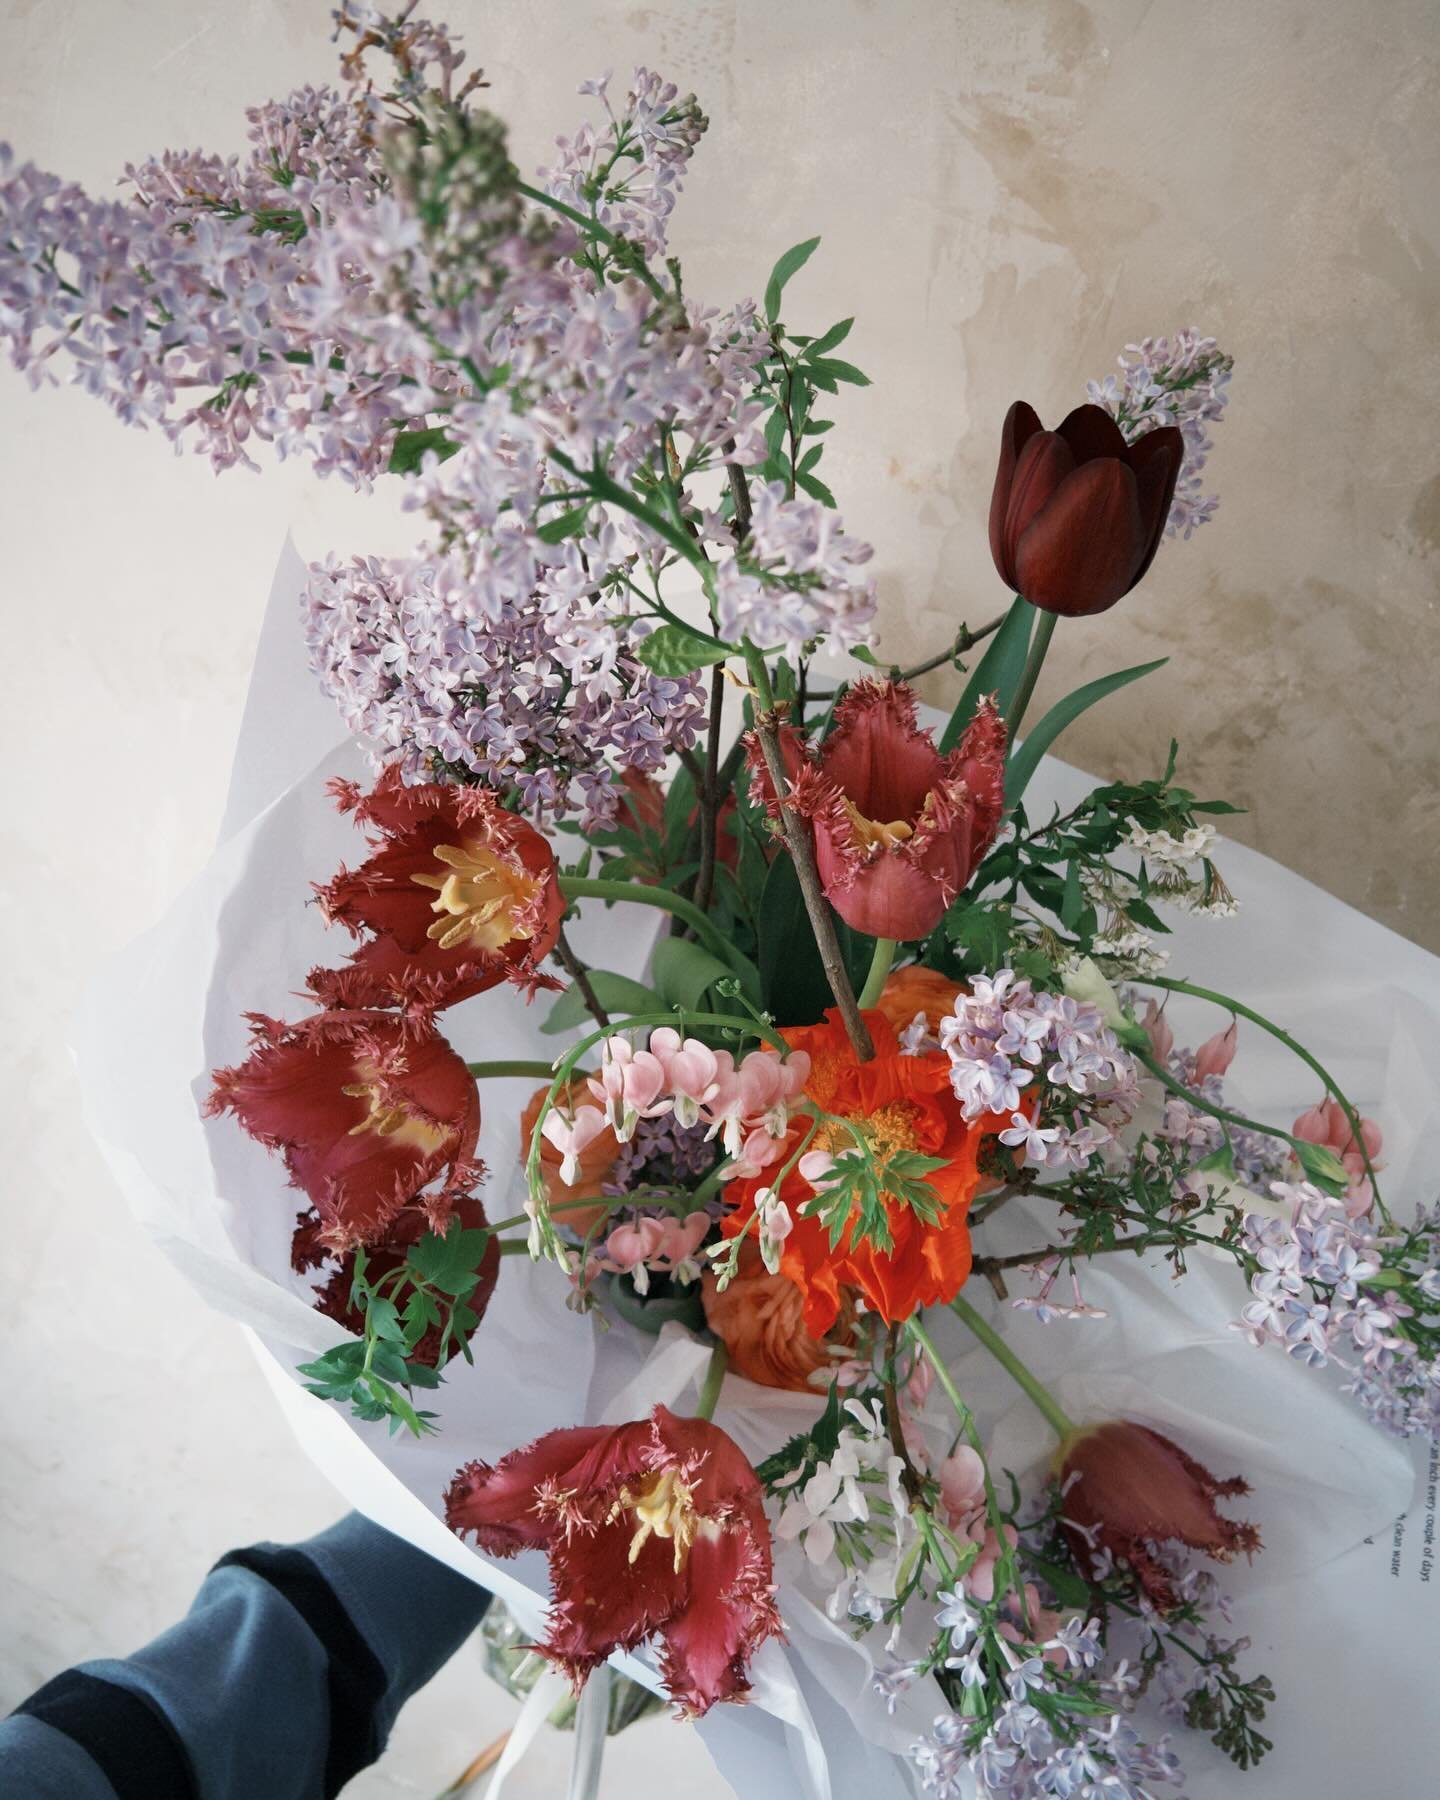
x: 389, y: 1118
x: 664, y: 1508
x: 482, y: 901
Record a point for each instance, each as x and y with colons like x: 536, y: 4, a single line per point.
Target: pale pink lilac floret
x: 1003, y: 1038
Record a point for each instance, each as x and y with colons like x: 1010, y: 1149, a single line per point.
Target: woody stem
x: 802, y: 854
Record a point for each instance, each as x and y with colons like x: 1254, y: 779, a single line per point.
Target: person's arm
x: 283, y: 1680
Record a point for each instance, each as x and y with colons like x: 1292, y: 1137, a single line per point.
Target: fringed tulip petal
x: 656, y: 1526
x: 456, y: 896
x: 368, y: 1109
x: 1127, y: 1487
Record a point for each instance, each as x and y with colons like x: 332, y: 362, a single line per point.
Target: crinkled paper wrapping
x: 1344, y: 1639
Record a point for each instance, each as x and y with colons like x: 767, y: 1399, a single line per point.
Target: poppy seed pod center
x: 885, y: 1132
x: 481, y: 900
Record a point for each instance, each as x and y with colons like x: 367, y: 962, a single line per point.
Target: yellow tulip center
x: 872, y: 834
x: 392, y: 1119
x: 480, y: 900
x: 663, y: 1507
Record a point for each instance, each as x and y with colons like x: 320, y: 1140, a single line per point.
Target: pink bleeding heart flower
x: 571, y: 1135
x: 1155, y: 1027
x: 1217, y: 1053
x: 1328, y: 1124
x: 630, y: 1084
x: 693, y: 1072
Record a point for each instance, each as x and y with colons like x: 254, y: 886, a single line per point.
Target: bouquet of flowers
x: 894, y: 1010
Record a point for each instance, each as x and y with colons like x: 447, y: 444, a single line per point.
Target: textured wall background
x: 1007, y: 192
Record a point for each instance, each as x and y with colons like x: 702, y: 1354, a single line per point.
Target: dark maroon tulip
x: 1076, y: 516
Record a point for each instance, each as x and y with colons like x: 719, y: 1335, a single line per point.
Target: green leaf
x: 674, y: 650
x: 861, y: 654
x: 410, y: 447
x: 1069, y: 1589
x: 450, y: 1263
x: 813, y: 486
x: 827, y: 340
x: 618, y: 994
x: 829, y: 367
x: 1072, y: 901
x: 792, y: 978
x: 682, y: 971
x: 1037, y: 741
x: 998, y: 671
x: 793, y: 260
x: 984, y: 932
x: 564, y: 525
x: 811, y: 1447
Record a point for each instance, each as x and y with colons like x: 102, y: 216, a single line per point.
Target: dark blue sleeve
x: 283, y: 1680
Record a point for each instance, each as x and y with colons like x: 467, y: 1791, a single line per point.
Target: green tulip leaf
x: 1035, y: 743
x: 618, y: 994
x: 998, y: 671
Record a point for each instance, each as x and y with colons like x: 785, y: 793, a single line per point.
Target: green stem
x: 1201, y: 1104
x: 593, y: 228
x: 802, y: 855
x: 880, y: 964
x: 1059, y: 1420
x: 710, y: 1388
x: 600, y: 484
x: 1331, y: 1085
x: 579, y: 887
x: 1039, y: 644
x: 542, y: 1071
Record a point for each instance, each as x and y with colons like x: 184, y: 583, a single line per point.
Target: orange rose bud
x: 597, y: 1160
x: 916, y: 989
x: 1126, y: 1487
x: 760, y: 1319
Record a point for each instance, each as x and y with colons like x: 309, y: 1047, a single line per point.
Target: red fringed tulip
x: 456, y: 896
x: 1077, y: 514
x: 899, y: 828
x: 1127, y: 1487
x: 368, y: 1110
x: 652, y: 1527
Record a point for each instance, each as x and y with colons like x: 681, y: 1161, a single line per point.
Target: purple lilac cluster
x: 1332, y: 1289
x: 1172, y: 381
x: 1003, y: 1035
x: 663, y: 1153
x: 1258, y: 1158
x: 511, y: 701
x: 1020, y: 1756
x: 370, y: 286
x: 183, y: 305
x: 797, y: 577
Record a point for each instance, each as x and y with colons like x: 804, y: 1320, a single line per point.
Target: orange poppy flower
x: 899, y: 1104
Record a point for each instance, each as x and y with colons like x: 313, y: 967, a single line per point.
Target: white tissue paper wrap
x: 1340, y: 1605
